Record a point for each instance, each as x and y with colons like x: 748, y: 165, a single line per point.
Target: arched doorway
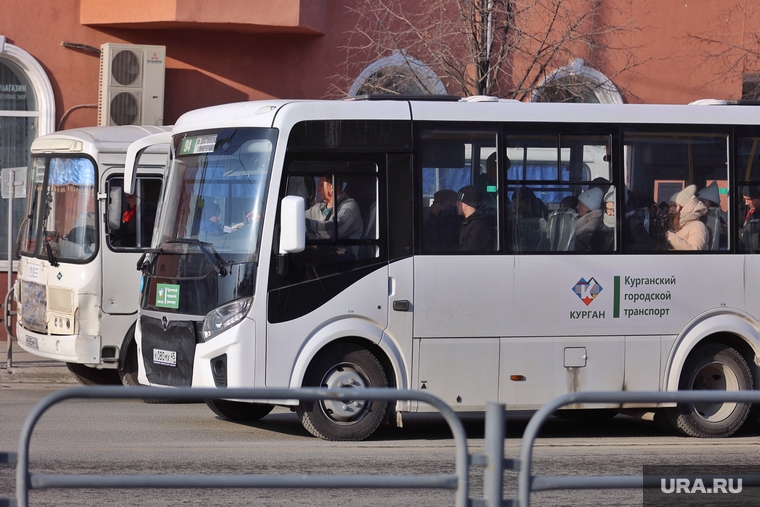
x: 27, y: 111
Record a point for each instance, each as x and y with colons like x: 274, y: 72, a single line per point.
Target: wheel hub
x: 715, y: 376
x: 344, y: 377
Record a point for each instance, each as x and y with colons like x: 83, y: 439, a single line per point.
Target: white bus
x: 401, y: 299
x: 77, y: 289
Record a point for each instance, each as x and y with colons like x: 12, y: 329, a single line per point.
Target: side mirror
x: 292, y: 225
x: 114, y: 208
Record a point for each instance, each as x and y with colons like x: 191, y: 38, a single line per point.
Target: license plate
x: 165, y: 357
x: 31, y: 341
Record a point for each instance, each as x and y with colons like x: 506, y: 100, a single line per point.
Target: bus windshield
x: 215, y: 196
x: 60, y: 223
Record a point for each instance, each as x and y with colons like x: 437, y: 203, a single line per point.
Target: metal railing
x: 528, y: 483
x: 493, y: 459
x: 26, y: 481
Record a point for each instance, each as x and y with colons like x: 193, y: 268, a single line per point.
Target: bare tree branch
x: 733, y: 50
x: 505, y: 48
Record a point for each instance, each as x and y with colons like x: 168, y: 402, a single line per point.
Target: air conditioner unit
x: 131, y: 84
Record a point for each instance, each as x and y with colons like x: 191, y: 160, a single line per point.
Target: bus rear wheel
x: 239, y: 411
x: 713, y: 367
x: 345, y: 366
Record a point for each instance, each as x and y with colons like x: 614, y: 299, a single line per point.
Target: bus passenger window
x: 560, y: 188
x: 460, y: 191
x: 678, y: 191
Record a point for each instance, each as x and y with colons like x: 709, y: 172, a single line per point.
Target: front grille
x: 61, y: 300
x: 178, y: 337
x: 34, y: 304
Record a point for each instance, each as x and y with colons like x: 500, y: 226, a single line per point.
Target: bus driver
x: 319, y: 218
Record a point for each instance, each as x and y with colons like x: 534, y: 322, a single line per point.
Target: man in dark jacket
x: 477, y: 231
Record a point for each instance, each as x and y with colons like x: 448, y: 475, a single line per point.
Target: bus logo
x: 587, y: 290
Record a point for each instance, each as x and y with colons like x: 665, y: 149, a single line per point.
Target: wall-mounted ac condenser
x: 131, y: 84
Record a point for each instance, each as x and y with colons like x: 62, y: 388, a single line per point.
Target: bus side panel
x: 644, y: 363
x: 296, y: 341
x: 463, y: 372
x: 535, y: 370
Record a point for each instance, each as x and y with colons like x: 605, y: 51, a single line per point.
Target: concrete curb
x: 28, y: 368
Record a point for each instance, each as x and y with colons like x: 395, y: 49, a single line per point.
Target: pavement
x: 28, y: 368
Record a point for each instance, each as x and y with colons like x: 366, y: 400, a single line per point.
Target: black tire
x: 588, y: 416
x: 239, y: 411
x: 347, y: 366
x: 88, y: 376
x: 128, y: 368
x: 714, y: 367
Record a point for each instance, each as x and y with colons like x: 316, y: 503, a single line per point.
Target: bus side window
x: 341, y: 220
x: 459, y: 202
x: 659, y: 166
x: 138, y: 213
x: 548, y: 178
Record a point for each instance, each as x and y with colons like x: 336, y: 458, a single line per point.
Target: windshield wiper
x: 141, y: 264
x: 51, y: 256
x: 208, y: 250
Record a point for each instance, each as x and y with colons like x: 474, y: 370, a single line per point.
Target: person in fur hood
x: 687, y: 232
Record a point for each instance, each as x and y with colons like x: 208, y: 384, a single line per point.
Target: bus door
x: 127, y: 232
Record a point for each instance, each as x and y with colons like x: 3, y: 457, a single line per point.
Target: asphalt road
x: 131, y: 437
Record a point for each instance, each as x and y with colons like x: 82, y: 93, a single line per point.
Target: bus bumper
x: 82, y: 349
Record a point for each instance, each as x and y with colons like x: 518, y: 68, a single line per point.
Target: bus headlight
x: 224, y: 317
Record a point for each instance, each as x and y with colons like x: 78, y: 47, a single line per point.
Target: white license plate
x: 165, y: 357
x: 31, y: 341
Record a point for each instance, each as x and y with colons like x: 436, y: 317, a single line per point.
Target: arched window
x: 27, y: 110
x: 577, y: 83
x: 398, y: 73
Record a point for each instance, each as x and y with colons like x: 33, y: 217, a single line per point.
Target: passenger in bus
x: 748, y: 233
x: 569, y: 202
x: 529, y: 217
x: 476, y: 233
x: 527, y: 205
x: 126, y: 235
x: 687, y: 232
x: 320, y: 221
x: 636, y: 236
x: 212, y: 220
x: 444, y: 223
x: 589, y: 230
x: 486, y: 182
x: 609, y: 219
x: 710, y: 197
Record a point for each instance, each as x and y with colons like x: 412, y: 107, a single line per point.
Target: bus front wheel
x: 713, y: 367
x: 128, y: 366
x: 88, y: 376
x: 344, y: 366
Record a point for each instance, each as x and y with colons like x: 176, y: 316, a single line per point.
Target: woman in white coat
x: 687, y: 231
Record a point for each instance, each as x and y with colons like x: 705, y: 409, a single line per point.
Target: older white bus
x: 77, y: 290
x: 481, y: 250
